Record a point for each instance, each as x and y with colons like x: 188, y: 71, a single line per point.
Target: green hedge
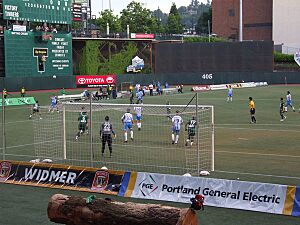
x: 204, y: 39
x: 283, y: 58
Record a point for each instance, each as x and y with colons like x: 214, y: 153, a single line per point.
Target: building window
x: 231, y: 12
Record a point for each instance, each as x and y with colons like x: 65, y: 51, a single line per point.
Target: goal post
x: 151, y: 149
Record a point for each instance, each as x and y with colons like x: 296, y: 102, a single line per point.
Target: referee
x: 252, y: 110
x: 106, y: 130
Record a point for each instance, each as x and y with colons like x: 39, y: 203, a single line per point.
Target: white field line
x: 257, y: 174
x: 259, y: 154
x: 257, y: 129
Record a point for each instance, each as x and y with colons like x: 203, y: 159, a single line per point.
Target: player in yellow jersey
x: 252, y: 110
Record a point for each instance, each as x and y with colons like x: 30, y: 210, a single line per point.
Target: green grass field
x: 263, y: 152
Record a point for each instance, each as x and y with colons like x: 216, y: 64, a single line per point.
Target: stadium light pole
x: 241, y: 21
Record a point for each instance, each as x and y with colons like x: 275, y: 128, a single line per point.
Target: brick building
x: 257, y: 19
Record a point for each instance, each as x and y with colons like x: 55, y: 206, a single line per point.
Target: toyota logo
x: 81, y: 80
x: 110, y: 80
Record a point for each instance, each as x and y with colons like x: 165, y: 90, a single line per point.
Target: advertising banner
x: 297, y: 57
x: 61, y: 176
x: 262, y: 197
x: 18, y: 101
x: 201, y: 88
x: 141, y: 36
x: 95, y: 81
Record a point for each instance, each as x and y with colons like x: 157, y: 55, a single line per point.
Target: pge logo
x: 110, y: 80
x: 81, y: 80
x: 148, y: 186
x: 5, y: 168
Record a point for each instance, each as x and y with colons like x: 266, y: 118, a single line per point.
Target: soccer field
x: 263, y: 152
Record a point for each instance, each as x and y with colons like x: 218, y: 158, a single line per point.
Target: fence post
x: 91, y: 132
x: 198, y: 143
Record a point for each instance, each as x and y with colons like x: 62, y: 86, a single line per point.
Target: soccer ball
x: 54, y: 76
x: 187, y: 175
x: 204, y: 173
x: 104, y: 168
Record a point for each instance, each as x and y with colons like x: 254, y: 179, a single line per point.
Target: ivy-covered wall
x: 100, y: 57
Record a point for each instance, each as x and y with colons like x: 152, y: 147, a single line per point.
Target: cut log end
x: 75, y: 210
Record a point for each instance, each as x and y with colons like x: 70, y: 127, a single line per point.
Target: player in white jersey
x: 289, y: 101
x: 35, y: 109
x: 229, y: 94
x: 127, y: 120
x: 176, y: 124
x: 138, y: 111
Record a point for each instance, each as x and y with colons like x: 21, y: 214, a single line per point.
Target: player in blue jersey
x: 139, y: 96
x: 138, y: 111
x: 176, y: 124
x: 127, y: 120
x: 53, y: 105
x: 289, y: 101
x: 229, y: 95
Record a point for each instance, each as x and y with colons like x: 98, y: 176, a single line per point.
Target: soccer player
x: 35, y: 109
x: 252, y: 110
x: 289, y: 101
x: 83, y: 123
x: 106, y: 130
x: 169, y: 110
x: 176, y: 123
x: 127, y: 120
x: 139, y: 96
x: 53, y: 104
x: 23, y: 92
x: 229, y: 96
x: 191, y: 128
x: 282, y: 110
x: 138, y: 111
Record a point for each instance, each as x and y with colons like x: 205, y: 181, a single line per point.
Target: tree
x: 107, y: 16
x: 138, y: 18
x: 202, y: 25
x: 174, y: 25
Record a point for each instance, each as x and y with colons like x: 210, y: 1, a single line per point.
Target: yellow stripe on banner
x: 289, y: 200
x: 131, y: 184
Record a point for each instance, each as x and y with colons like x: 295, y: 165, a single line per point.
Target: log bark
x: 73, y: 210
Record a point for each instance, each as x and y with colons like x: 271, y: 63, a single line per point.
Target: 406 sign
x: 207, y: 76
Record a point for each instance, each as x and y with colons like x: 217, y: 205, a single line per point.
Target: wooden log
x: 73, y: 210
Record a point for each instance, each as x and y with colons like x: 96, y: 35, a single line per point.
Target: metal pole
x: 208, y: 24
x: 198, y: 143
x: 213, y: 140
x: 91, y: 133
x: 64, y: 132
x: 3, y: 126
x: 241, y: 21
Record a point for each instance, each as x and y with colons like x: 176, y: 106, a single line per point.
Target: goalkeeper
x: 190, y: 126
x: 106, y: 130
x: 83, y: 123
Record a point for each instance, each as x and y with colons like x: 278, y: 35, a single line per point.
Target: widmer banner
x: 261, y: 197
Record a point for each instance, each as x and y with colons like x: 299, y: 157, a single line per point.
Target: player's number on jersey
x: 192, y: 123
x: 207, y: 76
x: 106, y: 127
x: 83, y: 120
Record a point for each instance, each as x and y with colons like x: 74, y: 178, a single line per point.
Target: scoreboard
x: 29, y: 54
x: 49, y: 11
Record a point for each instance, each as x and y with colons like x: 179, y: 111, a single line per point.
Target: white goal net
x: 151, y: 149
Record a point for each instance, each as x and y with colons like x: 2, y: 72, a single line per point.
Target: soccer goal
x: 151, y: 149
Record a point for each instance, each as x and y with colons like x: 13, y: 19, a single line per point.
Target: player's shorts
x: 138, y: 118
x: 82, y: 126
x: 230, y: 95
x: 175, y: 131
x: 252, y: 111
x: 127, y: 125
x: 191, y: 132
x: 53, y: 105
x: 289, y: 103
x: 35, y: 110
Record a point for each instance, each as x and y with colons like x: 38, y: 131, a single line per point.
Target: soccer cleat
x: 186, y: 144
x: 173, y: 142
x: 125, y: 141
x: 139, y: 128
x: 131, y: 139
x: 76, y: 138
x: 281, y: 120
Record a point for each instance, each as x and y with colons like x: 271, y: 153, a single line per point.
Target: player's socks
x: 131, y: 134
x: 187, y: 142
x: 125, y: 136
x: 176, y: 139
x: 173, y: 137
